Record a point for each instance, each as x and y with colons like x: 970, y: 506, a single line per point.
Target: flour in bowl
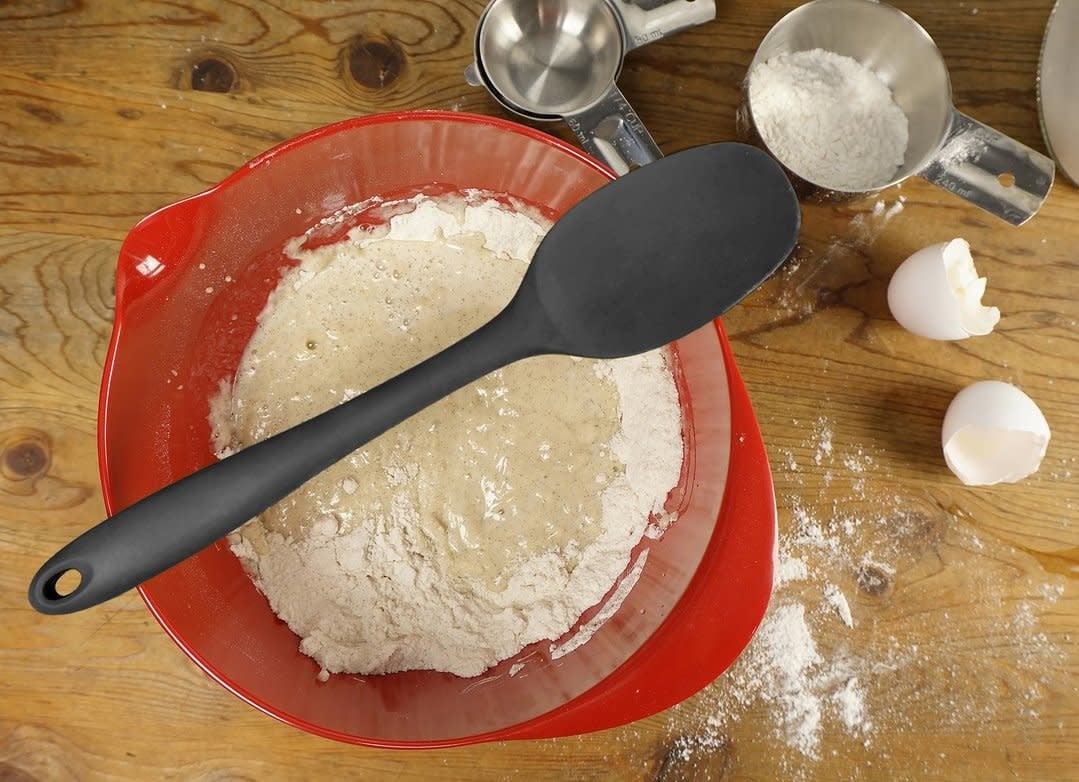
x: 488, y: 522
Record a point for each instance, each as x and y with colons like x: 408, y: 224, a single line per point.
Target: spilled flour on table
x: 826, y: 670
x: 785, y: 667
x: 810, y: 274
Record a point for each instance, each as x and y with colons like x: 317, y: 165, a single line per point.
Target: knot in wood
x: 213, y: 74
x: 26, y: 453
x: 874, y: 580
x: 374, y: 61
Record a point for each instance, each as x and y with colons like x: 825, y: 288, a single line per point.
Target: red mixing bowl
x: 191, y: 280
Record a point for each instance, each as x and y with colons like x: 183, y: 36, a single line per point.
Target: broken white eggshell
x: 993, y: 433
x: 937, y: 293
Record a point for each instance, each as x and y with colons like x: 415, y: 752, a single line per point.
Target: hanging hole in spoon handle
x: 62, y: 583
x: 611, y: 131
x: 645, y: 25
x: 990, y: 170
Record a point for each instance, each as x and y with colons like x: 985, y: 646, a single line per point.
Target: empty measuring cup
x: 559, y: 59
x: 945, y: 147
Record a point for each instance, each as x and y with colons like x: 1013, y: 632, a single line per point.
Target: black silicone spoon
x: 639, y: 263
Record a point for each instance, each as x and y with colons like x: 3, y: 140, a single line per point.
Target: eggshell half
x: 937, y: 293
x: 993, y: 433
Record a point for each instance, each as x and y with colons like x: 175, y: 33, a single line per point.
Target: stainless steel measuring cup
x: 559, y: 59
x: 945, y: 147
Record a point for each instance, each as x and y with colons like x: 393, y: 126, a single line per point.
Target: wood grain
x: 964, y: 600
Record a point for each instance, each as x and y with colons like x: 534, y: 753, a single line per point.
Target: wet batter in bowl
x: 487, y: 522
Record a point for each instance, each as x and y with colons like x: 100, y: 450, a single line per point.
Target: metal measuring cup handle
x: 610, y: 130
x: 990, y: 170
x: 645, y: 21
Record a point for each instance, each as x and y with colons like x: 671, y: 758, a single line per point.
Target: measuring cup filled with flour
x: 853, y: 96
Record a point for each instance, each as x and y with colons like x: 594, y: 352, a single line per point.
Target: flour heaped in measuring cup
x: 489, y: 521
x: 829, y: 119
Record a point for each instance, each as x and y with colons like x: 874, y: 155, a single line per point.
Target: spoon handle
x: 184, y: 517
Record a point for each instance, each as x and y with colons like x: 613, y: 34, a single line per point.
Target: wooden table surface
x: 959, y: 660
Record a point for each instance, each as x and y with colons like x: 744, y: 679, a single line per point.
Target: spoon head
x: 663, y: 250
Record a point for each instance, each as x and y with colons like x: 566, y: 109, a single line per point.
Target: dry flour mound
x: 829, y: 119
x: 488, y: 522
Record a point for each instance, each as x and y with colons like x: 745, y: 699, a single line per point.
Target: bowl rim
x: 675, y: 664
